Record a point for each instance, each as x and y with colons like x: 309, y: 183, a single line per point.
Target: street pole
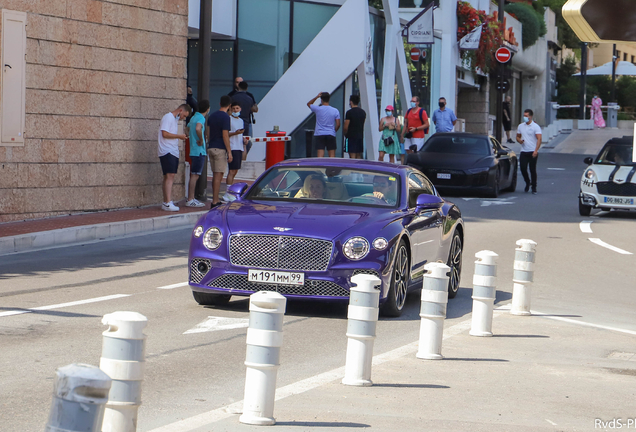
x: 613, y: 74
x: 203, y: 85
x: 500, y: 78
x: 582, y: 96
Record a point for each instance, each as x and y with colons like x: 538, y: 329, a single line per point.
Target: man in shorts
x: 415, y: 125
x: 354, y: 128
x: 219, y: 150
x: 196, y: 131
x: 168, y: 151
x: 327, y: 124
x: 237, y: 142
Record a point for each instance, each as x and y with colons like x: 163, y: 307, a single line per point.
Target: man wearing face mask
x: 237, y: 142
x: 415, y: 126
x: 444, y: 118
x: 529, y: 136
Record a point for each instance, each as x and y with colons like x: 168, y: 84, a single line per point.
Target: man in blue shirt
x: 196, y: 130
x: 444, y: 118
x: 327, y: 124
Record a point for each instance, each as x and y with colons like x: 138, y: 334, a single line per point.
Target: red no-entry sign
x: 415, y: 54
x: 503, y: 55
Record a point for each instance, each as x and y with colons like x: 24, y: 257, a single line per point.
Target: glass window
x: 457, y: 145
x: 309, y: 20
x: 221, y: 59
x: 418, y: 185
x: 616, y: 154
x: 263, y: 53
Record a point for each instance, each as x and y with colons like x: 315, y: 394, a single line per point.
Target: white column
x: 450, y: 53
x: 392, y: 20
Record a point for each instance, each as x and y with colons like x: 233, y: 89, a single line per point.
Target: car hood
x: 453, y: 161
x: 326, y: 221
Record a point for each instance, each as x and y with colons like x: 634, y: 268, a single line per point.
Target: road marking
x: 586, y: 226
x: 302, y: 386
x: 219, y: 323
x: 173, y: 286
x: 495, y: 202
x: 63, y: 305
x: 551, y: 422
x: 609, y: 246
x: 556, y: 169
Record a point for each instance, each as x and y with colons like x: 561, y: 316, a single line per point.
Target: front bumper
x: 590, y: 196
x: 222, y: 277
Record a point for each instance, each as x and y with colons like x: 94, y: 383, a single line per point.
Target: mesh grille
x: 369, y: 272
x: 195, y: 275
x: 614, y: 189
x: 311, y: 287
x: 280, y: 252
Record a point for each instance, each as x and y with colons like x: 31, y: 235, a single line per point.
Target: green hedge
x: 533, y: 24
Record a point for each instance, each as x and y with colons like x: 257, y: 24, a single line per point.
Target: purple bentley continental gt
x: 305, y: 227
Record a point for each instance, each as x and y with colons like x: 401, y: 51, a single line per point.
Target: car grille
x: 310, y: 288
x: 195, y: 275
x: 369, y: 272
x: 280, y: 252
x: 615, y: 189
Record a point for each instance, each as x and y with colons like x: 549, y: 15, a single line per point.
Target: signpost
x: 602, y: 20
x: 415, y: 55
x: 503, y: 55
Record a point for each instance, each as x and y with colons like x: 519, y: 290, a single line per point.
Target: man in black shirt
x: 234, y: 91
x: 507, y: 118
x: 354, y: 128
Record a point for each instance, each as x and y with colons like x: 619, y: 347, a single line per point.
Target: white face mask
x: 236, y: 114
x: 526, y: 119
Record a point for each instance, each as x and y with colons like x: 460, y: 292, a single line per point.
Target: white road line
x: 219, y: 323
x: 551, y: 422
x: 302, y: 386
x: 556, y: 169
x: 173, y: 286
x: 586, y: 226
x: 63, y: 305
x: 609, y: 246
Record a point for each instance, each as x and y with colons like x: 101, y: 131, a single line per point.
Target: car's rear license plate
x: 612, y: 200
x: 276, y: 277
x: 443, y: 176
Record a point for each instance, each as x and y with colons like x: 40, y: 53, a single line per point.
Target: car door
x: 424, y: 226
x: 503, y: 162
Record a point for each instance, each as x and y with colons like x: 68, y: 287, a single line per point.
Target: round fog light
x: 380, y: 243
x: 203, y: 267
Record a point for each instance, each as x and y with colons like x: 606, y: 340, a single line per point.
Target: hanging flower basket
x: 468, y: 18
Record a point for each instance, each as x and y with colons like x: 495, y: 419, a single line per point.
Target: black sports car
x: 457, y: 161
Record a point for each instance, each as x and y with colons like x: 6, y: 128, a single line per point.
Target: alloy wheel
x: 455, y: 264
x: 400, y: 277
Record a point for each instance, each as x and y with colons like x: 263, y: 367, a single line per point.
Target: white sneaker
x: 169, y: 207
x: 194, y: 203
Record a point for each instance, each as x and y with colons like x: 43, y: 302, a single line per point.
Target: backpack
x: 421, y: 118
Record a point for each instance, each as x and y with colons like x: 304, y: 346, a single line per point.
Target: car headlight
x: 356, y: 248
x: 198, y: 231
x: 590, y: 174
x: 212, y: 238
x: 380, y: 243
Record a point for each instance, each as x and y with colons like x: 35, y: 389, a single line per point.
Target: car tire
x: 400, y: 275
x: 455, y: 264
x: 494, y: 192
x: 584, y: 210
x: 206, y: 299
x: 513, y: 184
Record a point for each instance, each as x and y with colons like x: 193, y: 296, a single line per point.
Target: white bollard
x: 123, y: 359
x: 433, y: 311
x: 484, y: 290
x: 80, y: 393
x: 523, y: 276
x: 264, y: 339
x: 364, y: 300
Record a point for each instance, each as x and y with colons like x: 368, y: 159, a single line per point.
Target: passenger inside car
x: 313, y: 187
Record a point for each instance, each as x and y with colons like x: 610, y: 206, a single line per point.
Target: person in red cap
x: 390, y: 142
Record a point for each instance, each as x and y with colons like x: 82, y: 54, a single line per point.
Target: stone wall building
x: 99, y: 76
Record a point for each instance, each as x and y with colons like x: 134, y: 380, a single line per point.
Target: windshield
x: 616, y: 154
x: 329, y: 185
x: 457, y: 145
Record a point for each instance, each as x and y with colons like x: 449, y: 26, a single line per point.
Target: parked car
x: 609, y: 182
x: 306, y: 227
x: 457, y: 161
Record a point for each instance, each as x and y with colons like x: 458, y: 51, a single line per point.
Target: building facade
x: 98, y: 77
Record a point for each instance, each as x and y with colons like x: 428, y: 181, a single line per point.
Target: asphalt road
x: 188, y: 374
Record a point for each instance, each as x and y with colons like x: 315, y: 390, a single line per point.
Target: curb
x: 87, y: 233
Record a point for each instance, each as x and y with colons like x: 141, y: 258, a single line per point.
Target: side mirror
x: 428, y: 202
x: 502, y: 153
x: 588, y: 160
x: 236, y: 190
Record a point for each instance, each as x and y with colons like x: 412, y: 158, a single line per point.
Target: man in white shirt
x: 237, y: 142
x: 168, y: 151
x: 529, y: 136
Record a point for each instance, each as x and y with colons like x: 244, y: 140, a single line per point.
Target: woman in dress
x: 597, y: 113
x: 390, y: 141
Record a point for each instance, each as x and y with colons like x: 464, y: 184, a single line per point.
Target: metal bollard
x: 362, y: 315
x: 80, y: 393
x: 484, y: 290
x: 123, y: 359
x: 264, y: 339
x: 523, y: 276
x: 433, y: 311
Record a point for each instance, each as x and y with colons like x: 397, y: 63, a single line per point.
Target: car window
x: 616, y: 154
x: 329, y: 185
x: 417, y: 185
x: 495, y: 145
x: 454, y: 144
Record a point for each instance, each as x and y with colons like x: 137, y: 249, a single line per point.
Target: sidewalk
x: 39, y: 234
x: 536, y: 374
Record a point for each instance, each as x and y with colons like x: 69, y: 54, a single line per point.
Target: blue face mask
x: 389, y: 113
x: 413, y: 104
x: 526, y: 119
x: 236, y: 114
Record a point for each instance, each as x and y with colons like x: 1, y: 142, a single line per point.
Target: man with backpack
x: 415, y: 126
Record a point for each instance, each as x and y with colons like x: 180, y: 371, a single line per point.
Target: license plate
x: 612, y: 200
x: 276, y: 277
x: 443, y: 176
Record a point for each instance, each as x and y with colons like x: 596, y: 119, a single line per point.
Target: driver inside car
x: 385, y: 189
